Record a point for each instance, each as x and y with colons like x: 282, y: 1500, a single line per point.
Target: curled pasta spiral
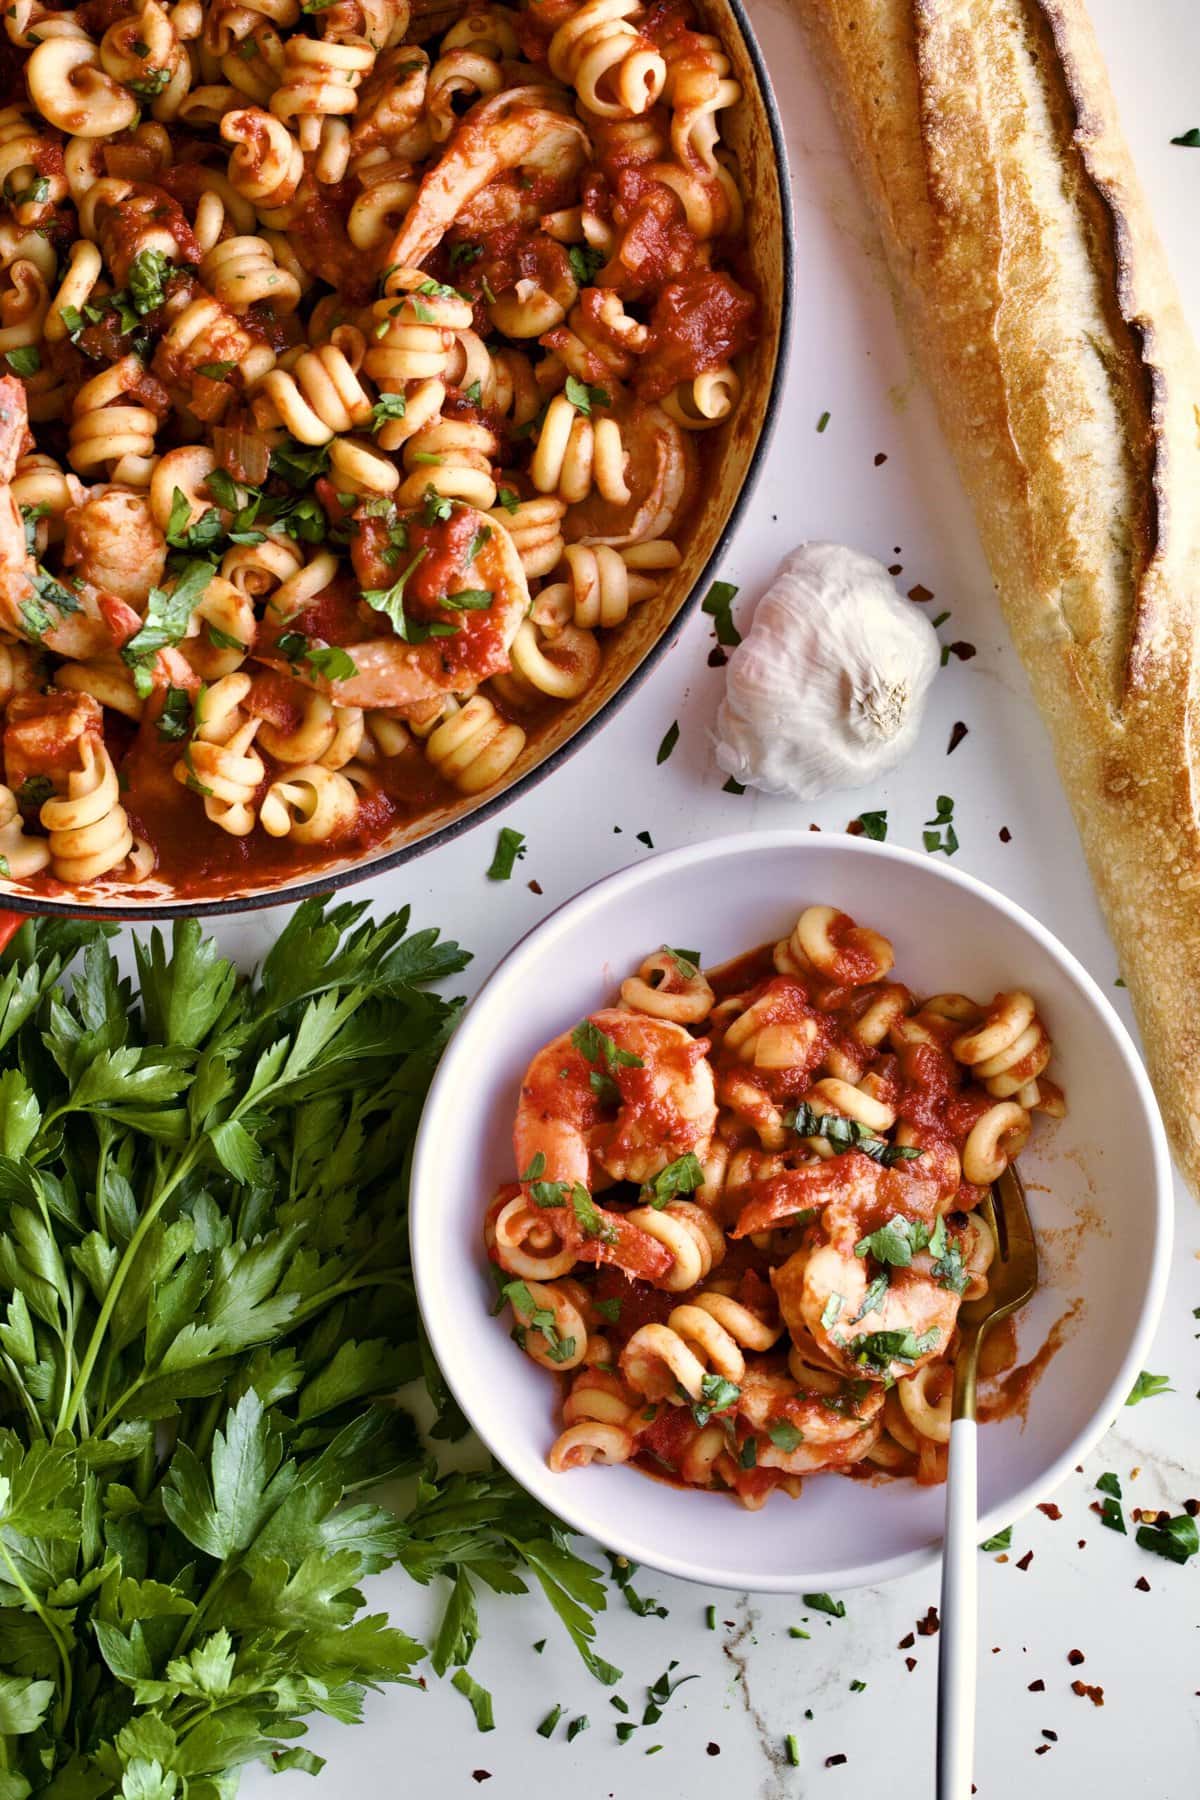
x: 24, y: 142
x: 600, y: 341
x: 69, y: 88
x: 320, y: 81
x: 242, y: 270
x: 89, y: 830
x: 221, y: 630
x: 203, y: 331
x: 705, y: 401
x: 559, y: 1341
x: 523, y: 1239
x: 599, y: 584
x: 358, y: 468
x: 535, y: 527
x: 664, y: 990
x: 320, y: 394
x: 457, y: 76
x: 23, y: 307
x: 562, y: 663
x: 228, y: 22
x: 125, y: 219
x: 310, y: 804
x: 455, y: 458
x: 573, y: 454
x: 706, y: 1336
x: 489, y: 30
x: 388, y: 189
x: 111, y: 433
x: 1007, y: 1049
x: 23, y: 855
x: 143, y: 52
x: 106, y: 679
x: 221, y: 761
x: 472, y: 747
x: 266, y: 164
x: 414, y: 331
x: 616, y: 72
x: 325, y: 734
x: 694, y: 1240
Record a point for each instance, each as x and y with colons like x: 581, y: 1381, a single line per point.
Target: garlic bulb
x: 828, y: 686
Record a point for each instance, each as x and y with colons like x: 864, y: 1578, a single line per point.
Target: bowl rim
x: 289, y: 893
x: 447, y: 1086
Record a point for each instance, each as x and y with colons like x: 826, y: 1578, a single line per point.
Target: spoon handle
x: 960, y: 1619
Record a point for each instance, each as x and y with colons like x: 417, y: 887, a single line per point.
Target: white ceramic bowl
x: 1099, y: 1188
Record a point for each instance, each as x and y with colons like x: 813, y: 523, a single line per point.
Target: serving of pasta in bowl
x: 696, y: 1201
x: 379, y: 380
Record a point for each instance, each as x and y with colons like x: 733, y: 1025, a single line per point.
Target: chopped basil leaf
x: 175, y: 719
x: 717, y: 604
x: 784, y: 1435
x: 874, y: 826
x: 583, y: 397
x: 1001, y: 1541
x: 873, y: 1297
x: 468, y: 600
x: 716, y: 1395
x: 388, y: 406
x: 1177, y: 1540
x: 829, y: 1314
x: 509, y: 847
x: 670, y: 739
x: 1147, y: 1386
x: 507, y: 499
x: 687, y: 962
x: 847, y: 1134
x: 147, y: 272
x: 35, y: 790
x: 24, y: 361
x: 480, y: 1699
x: 683, y: 1176
x: 585, y: 262
x: 592, y: 1044
x: 879, y: 1349
x: 823, y: 1604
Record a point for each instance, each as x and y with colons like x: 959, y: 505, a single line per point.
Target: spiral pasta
x: 88, y: 829
x: 357, y: 344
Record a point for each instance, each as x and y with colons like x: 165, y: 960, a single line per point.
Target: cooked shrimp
x: 622, y: 1095
x: 852, y: 1193
x: 837, y: 1422
x: 113, y: 540
x: 824, y: 1292
x: 660, y: 473
x: 14, y: 426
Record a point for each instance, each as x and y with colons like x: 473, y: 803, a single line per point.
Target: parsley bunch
x: 205, y: 1291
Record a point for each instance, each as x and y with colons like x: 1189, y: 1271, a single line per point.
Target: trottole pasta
x: 356, y: 353
x: 747, y: 1210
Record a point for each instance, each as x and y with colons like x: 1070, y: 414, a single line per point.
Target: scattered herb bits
x: 717, y: 603
x: 510, y: 848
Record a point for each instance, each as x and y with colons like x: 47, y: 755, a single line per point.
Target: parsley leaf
x: 717, y: 603
x: 24, y: 361
x: 147, y: 272
x: 1177, y: 1540
x: 583, y: 397
x: 592, y: 1044
x: 716, y: 1395
x: 1147, y: 1386
x: 823, y: 1604
x: 683, y: 1176
x: 847, y: 1134
x: 509, y: 846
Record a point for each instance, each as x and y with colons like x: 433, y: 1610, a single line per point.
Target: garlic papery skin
x: 828, y: 687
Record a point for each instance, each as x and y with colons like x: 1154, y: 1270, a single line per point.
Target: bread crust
x: 1048, y: 326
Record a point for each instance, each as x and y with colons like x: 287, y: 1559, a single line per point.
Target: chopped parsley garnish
x: 1147, y: 1386
x: 175, y: 719
x: 36, y: 194
x: 874, y: 826
x: 538, y: 1318
x: 547, y: 1727
x: 149, y: 86
x: 1177, y: 1540
x: 510, y: 845
x: 468, y: 600
x: 592, y: 1044
x: 748, y: 1455
x: 388, y: 406
x: 35, y: 790
x: 480, y: 1699
x: 582, y: 1723
x: 823, y: 1604
x: 436, y: 507
x: 716, y: 1395
x: 830, y: 1311
x: 823, y: 421
x: 687, y: 962
x: 24, y: 361
x: 216, y: 371
x: 879, y: 1349
x: 1110, y: 1507
x: 225, y: 640
x: 168, y: 614
x: 683, y: 1176
x: 299, y: 464
x: 717, y: 603
x: 847, y: 1134
x: 609, y: 1309
x: 586, y: 1213
x: 873, y: 1298
x: 898, y: 1241
x: 463, y: 255
x: 507, y: 499
x: 583, y: 397
x: 784, y: 1435
x: 943, y: 835
x: 1189, y: 139
x: 1001, y: 1541
x: 643, y: 1605
x: 390, y: 602
x: 147, y: 272
x: 585, y: 262
x: 670, y: 739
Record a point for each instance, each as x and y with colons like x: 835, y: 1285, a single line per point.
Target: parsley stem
x: 35, y: 1606
x: 73, y: 1402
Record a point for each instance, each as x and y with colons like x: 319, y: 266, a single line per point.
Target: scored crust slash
x: 1041, y: 306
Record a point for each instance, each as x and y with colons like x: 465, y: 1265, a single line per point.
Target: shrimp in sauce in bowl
x: 753, y: 1192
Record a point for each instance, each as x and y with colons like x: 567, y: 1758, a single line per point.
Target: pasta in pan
x: 748, y: 1210
x: 358, y: 362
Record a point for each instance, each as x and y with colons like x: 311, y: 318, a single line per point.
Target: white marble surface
x: 756, y: 1684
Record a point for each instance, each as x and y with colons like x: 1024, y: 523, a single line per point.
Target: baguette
x: 1047, y: 324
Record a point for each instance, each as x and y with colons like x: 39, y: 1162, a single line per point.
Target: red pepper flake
x: 717, y: 657
x: 995, y: 1649
x: 929, y: 1624
x: 481, y: 1774
x: 895, y: 568
x: 814, y: 828
x: 1075, y: 1657
x: 1094, y: 1694
x: 1051, y: 1511
x: 1005, y: 835
x: 1037, y: 1687
x: 714, y: 1749
x: 534, y: 887
x: 957, y: 734
x: 920, y: 592
x: 1051, y: 1735
x: 962, y: 650
x: 831, y: 1762
x: 854, y: 828
x: 880, y: 458
x: 1191, y: 1507
x: 1023, y: 1562
x: 910, y: 1663
x: 906, y: 1643
x: 1041, y: 1750
x: 1142, y: 1585
x: 1082, y: 1544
